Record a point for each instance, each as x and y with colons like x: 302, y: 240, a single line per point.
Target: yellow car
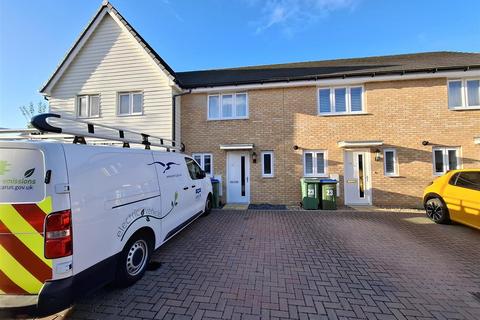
x: 455, y: 196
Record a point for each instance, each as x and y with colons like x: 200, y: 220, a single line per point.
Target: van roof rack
x: 87, y: 130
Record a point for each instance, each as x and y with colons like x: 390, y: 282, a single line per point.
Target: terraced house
x: 383, y: 126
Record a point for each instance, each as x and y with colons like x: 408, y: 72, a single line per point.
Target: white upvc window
x: 130, y: 103
x: 315, y: 163
x: 205, y: 161
x: 341, y: 100
x: 88, y: 106
x: 390, y: 162
x: 463, y: 94
x: 445, y: 159
x: 268, y: 164
x: 227, y: 106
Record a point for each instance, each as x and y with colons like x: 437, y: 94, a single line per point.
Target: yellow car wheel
x: 437, y: 211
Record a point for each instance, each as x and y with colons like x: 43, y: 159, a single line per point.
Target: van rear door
x: 24, y: 204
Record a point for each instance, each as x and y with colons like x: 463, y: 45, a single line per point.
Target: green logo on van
x: 29, y: 173
x: 4, y: 167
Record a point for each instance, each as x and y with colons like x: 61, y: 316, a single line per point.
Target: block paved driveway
x: 304, y: 265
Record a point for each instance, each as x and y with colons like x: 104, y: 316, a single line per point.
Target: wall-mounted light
x: 425, y: 142
x: 295, y: 147
x: 254, y: 157
x: 378, y: 155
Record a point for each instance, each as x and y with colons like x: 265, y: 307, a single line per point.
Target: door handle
x: 193, y: 186
x: 185, y: 188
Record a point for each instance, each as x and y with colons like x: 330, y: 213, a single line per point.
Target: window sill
x: 227, y: 119
x: 343, y: 114
x: 268, y: 177
x: 464, y: 108
x: 316, y: 176
x: 87, y: 118
x: 391, y: 175
x: 130, y: 115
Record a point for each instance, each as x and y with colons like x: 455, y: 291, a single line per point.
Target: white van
x: 74, y: 217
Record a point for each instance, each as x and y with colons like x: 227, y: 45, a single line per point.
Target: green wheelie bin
x: 216, y: 192
x: 310, y: 193
x: 328, y: 193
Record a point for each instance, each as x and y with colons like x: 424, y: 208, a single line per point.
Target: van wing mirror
x: 202, y: 174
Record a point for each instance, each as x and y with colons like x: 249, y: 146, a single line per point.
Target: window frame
x: 202, y: 164
x: 89, y: 110
x: 464, y: 94
x: 272, y: 164
x: 314, y: 163
x: 130, y: 103
x: 348, y: 102
x: 445, y: 159
x: 234, y: 106
x: 395, y: 172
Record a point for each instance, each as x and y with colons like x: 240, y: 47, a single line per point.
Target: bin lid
x: 311, y: 180
x: 213, y: 180
x: 328, y: 181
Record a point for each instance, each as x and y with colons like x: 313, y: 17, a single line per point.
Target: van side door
x: 174, y: 182
x: 197, y: 188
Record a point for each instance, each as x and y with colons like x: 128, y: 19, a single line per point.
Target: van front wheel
x: 208, y: 205
x: 133, y: 261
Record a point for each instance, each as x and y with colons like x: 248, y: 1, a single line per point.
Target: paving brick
x: 303, y: 265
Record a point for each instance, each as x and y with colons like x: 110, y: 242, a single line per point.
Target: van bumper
x: 57, y: 295
x: 54, y: 296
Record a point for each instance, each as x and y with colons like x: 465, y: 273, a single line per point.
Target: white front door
x: 357, y: 177
x: 238, y: 177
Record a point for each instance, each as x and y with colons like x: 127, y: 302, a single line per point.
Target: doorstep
x: 362, y: 207
x: 235, y: 206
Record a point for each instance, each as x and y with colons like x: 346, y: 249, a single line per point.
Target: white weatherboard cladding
x: 112, y: 61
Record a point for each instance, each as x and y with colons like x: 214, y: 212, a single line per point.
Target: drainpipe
x: 174, y: 109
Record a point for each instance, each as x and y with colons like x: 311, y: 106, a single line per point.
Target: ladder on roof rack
x: 41, y: 124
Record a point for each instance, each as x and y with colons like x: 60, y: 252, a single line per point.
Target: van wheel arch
x: 135, y: 255
x: 148, y: 233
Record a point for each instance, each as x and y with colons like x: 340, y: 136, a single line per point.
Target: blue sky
x: 193, y: 35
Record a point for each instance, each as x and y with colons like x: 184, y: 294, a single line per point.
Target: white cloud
x: 293, y: 15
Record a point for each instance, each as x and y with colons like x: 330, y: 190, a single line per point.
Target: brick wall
x: 400, y: 113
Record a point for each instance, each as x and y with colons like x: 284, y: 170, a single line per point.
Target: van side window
x: 193, y: 169
x: 469, y: 180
